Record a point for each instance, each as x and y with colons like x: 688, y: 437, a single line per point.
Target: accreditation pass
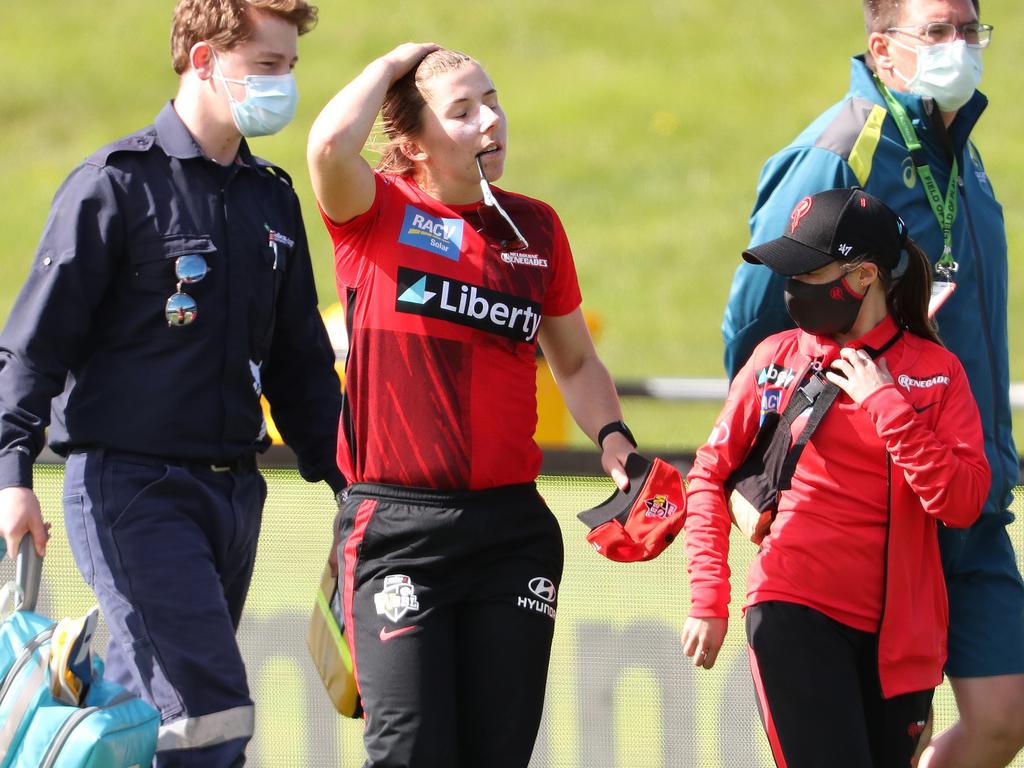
x: 941, y: 290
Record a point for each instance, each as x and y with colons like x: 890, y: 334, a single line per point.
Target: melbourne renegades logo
x: 660, y: 507
x: 397, y: 598
x: 800, y: 210
x: 837, y: 293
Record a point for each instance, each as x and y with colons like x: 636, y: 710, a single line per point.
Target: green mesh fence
x: 620, y: 693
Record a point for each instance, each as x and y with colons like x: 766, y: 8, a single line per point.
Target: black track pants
x: 452, y: 599
x: 819, y: 695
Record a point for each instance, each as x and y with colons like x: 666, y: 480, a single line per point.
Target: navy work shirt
x: 88, y: 330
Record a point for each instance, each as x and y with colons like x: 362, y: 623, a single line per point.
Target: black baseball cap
x: 834, y: 225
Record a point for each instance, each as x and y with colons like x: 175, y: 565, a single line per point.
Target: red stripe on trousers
x: 349, y: 559
x: 766, y: 713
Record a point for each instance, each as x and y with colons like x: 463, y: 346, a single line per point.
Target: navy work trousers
x: 168, y: 548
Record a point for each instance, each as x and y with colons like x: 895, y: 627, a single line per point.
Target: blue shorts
x: 986, y: 599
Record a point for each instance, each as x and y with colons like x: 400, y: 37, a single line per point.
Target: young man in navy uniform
x: 173, y: 286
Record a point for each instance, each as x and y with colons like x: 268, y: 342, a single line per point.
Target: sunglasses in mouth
x: 494, y: 220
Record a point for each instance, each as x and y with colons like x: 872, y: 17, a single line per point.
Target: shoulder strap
x: 824, y: 395
x: 819, y: 393
x: 140, y: 141
x: 804, y: 397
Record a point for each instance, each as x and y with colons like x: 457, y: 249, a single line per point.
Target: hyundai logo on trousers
x: 443, y: 298
x: 543, y: 588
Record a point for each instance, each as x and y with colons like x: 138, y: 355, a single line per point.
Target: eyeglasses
x: 974, y: 34
x: 181, y: 309
x: 500, y: 227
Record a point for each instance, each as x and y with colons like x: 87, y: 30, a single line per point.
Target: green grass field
x: 643, y: 123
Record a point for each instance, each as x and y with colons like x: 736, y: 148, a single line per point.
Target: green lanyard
x: 944, y: 209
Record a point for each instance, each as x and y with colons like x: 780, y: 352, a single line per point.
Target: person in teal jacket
x: 921, y: 69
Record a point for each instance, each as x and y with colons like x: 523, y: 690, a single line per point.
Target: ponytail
x: 907, y: 295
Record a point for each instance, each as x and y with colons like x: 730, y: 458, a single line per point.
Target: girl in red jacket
x: 846, y: 607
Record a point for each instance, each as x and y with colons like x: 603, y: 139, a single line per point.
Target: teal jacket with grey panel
x: 856, y: 142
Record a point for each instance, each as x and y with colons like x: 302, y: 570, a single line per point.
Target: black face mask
x: 824, y: 309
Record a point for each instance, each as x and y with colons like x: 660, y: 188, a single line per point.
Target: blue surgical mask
x: 948, y: 73
x: 268, y: 106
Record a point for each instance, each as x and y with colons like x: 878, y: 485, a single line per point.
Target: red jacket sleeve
x: 707, y: 515
x: 940, y: 450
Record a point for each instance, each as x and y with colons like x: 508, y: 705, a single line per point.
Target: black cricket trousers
x: 819, y: 694
x: 452, y: 599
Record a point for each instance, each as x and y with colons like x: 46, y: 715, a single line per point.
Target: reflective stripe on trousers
x: 207, y: 730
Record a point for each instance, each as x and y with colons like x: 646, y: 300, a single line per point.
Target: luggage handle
x: 28, y: 574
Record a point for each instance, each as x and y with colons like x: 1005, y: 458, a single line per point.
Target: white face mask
x: 268, y: 106
x: 948, y: 73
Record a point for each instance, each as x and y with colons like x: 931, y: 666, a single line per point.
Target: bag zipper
x: 64, y: 732
x: 22, y: 660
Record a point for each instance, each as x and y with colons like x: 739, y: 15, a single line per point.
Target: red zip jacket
x: 854, y: 536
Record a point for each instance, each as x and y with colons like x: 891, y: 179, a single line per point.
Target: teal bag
x: 111, y: 728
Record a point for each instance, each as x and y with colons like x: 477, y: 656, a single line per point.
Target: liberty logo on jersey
x: 430, y: 295
x: 431, y: 233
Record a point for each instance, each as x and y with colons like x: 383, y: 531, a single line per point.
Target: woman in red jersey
x: 449, y: 560
x: 846, y: 607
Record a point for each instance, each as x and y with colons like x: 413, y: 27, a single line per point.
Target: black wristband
x: 615, y: 426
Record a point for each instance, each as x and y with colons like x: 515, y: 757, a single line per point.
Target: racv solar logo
x: 432, y: 233
x: 443, y: 298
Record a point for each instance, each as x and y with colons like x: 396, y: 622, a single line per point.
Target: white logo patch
x: 908, y: 382
x: 526, y: 259
x: 397, y: 598
x: 719, y: 434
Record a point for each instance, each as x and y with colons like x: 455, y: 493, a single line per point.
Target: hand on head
x: 407, y: 56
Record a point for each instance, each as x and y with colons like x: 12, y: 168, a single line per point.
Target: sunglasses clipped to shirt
x: 181, y: 309
x: 495, y: 222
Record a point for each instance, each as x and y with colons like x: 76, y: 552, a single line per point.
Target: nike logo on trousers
x: 385, y: 635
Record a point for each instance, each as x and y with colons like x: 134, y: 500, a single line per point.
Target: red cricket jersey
x: 440, y: 381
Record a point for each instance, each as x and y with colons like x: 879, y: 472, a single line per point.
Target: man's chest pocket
x: 158, y: 266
